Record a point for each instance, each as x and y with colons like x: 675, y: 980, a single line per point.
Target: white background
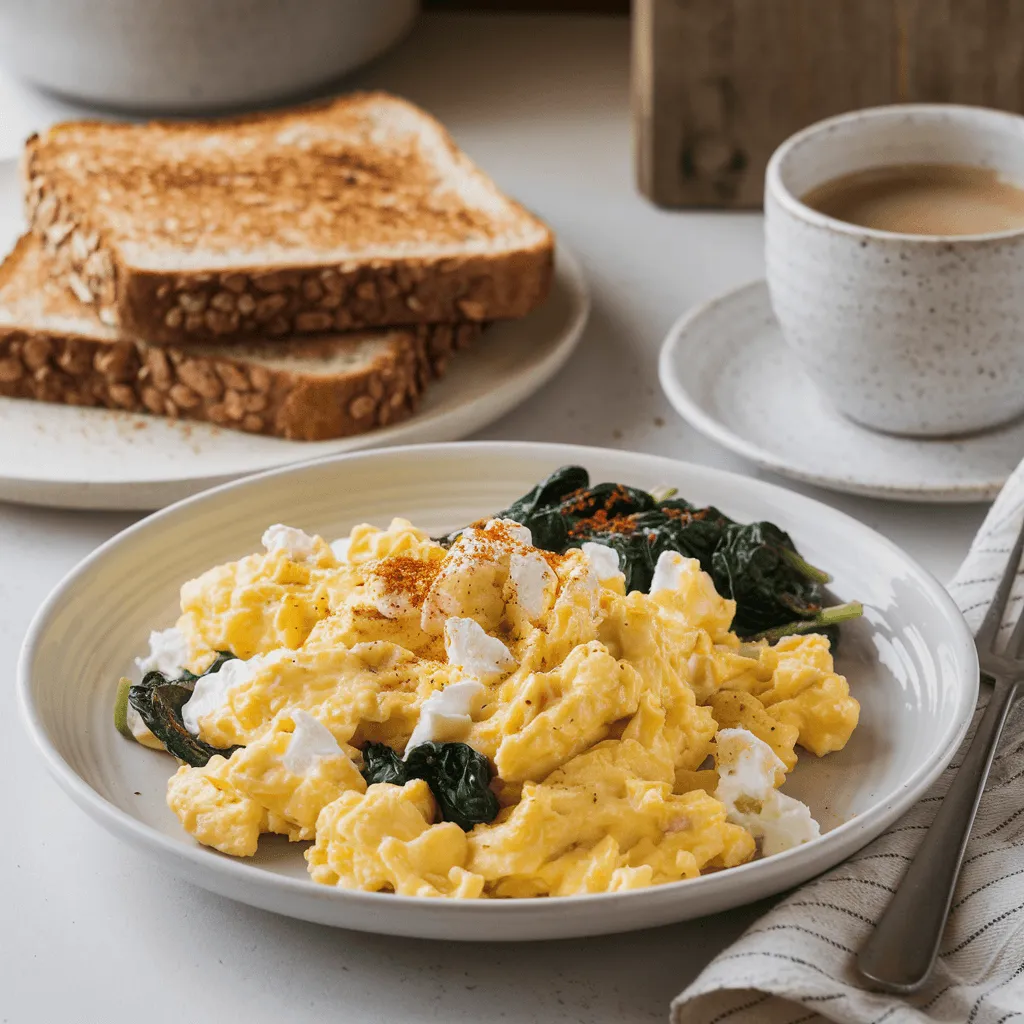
x: 89, y: 931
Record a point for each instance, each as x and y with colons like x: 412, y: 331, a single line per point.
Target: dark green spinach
x: 752, y: 564
x: 458, y: 776
x: 382, y: 764
x: 159, y: 701
x: 539, y: 508
x: 755, y: 564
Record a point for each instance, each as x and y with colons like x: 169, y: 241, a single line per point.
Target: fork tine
x: 987, y: 635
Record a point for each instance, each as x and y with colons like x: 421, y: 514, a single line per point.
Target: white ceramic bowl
x: 191, y: 55
x: 920, y: 335
x: 911, y: 663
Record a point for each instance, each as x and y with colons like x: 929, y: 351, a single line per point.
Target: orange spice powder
x: 410, y: 576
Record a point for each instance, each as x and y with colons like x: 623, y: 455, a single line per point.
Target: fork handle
x: 899, y: 955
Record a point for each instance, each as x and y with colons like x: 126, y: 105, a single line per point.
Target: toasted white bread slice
x: 359, y: 212
x: 54, y: 349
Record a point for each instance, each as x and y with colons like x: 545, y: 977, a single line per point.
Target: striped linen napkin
x: 796, y: 964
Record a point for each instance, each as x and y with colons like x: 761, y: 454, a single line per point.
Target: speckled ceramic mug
x: 908, y: 334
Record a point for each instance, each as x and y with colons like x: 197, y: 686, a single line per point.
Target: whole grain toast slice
x: 55, y: 349
x: 354, y: 213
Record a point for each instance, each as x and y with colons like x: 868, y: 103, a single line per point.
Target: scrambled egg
x: 599, y: 711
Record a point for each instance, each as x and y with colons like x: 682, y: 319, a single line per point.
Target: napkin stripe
x: 866, y: 881
x: 882, y: 856
x: 1008, y: 782
x: 1009, y: 821
x: 739, y: 1009
x: 984, y: 996
x: 987, y: 885
x: 935, y: 998
x: 981, y: 931
x: 800, y: 928
x: 833, y: 906
x: 777, y: 956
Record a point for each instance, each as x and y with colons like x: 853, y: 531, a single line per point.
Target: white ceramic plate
x: 727, y: 371
x: 95, y: 458
x: 911, y: 663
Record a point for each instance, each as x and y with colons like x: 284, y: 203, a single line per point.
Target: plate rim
x: 690, y: 409
x: 224, y: 875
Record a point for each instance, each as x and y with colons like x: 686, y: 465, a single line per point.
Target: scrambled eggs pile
x: 598, y: 711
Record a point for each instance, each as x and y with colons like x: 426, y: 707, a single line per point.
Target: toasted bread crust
x: 77, y: 256
x: 286, y: 302
x: 186, y: 383
x: 285, y: 298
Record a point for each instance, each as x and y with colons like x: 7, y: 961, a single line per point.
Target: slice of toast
x: 356, y: 213
x: 54, y: 349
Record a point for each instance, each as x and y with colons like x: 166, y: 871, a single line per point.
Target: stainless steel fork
x: 901, y: 951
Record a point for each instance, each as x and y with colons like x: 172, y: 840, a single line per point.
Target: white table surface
x: 90, y: 932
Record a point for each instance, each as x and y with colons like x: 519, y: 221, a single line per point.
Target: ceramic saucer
x: 726, y: 370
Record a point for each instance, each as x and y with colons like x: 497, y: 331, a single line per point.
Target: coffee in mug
x: 923, y: 199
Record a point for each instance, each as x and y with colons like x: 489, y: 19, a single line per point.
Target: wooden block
x: 718, y: 84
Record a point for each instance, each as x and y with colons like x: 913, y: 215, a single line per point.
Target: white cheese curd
x: 447, y: 714
x: 516, y: 530
x: 603, y: 560
x: 472, y: 650
x: 533, y: 580
x: 340, y: 548
x: 211, y: 691
x: 747, y: 770
x: 671, y: 570
x: 472, y: 568
x: 310, y: 742
x: 582, y: 581
x: 466, y: 557
x: 677, y: 574
x: 168, y: 653
x: 297, y: 544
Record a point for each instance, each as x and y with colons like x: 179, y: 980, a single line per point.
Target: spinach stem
x: 826, y: 617
x: 121, y: 708
x: 812, y: 572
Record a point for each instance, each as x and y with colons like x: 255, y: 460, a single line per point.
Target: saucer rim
x: 690, y: 409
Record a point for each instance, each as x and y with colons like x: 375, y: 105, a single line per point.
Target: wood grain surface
x: 718, y: 84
